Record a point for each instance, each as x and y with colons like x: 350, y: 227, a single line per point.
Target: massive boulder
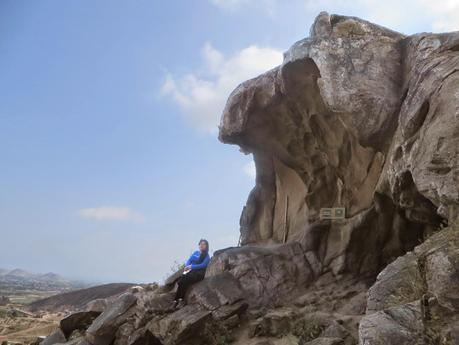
x: 102, y: 330
x: 357, y: 116
x: 267, y: 275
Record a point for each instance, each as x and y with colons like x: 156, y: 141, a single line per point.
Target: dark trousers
x: 186, y: 280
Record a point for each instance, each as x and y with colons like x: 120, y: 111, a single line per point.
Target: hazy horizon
x: 63, y: 275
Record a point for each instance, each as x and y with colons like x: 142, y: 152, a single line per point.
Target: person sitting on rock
x: 194, y: 271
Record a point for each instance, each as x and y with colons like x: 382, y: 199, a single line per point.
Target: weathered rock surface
x: 266, y: 274
x: 357, y: 116
x: 336, y: 125
x: 415, y: 299
x: 102, y: 330
x: 77, y: 321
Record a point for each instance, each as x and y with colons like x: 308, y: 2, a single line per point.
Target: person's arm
x: 189, y: 260
x: 203, y: 264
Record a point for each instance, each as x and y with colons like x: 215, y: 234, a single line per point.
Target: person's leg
x: 181, y: 287
x: 196, y: 276
x: 191, y: 278
x: 183, y: 283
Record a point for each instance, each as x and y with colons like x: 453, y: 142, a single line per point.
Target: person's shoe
x: 181, y: 303
x: 175, y: 303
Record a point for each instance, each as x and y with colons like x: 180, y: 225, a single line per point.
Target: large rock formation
x: 357, y: 116
x: 360, y: 117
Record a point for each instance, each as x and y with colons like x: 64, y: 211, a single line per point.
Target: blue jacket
x: 194, y: 258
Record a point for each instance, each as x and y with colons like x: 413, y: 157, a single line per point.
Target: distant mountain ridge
x: 20, y: 279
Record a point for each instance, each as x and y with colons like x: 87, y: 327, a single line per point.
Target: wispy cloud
x: 111, y: 213
x: 250, y: 170
x: 202, y: 95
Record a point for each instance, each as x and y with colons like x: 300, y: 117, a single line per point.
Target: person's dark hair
x: 204, y: 253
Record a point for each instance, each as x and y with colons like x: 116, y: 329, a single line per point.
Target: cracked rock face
x: 357, y: 116
x: 415, y: 299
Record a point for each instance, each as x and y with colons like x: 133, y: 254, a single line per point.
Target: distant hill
x: 18, y: 273
x: 77, y: 299
x: 19, y: 279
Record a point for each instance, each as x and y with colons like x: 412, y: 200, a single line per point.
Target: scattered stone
x: 77, y: 321
x: 98, y: 305
x: 56, y: 337
x: 102, y: 330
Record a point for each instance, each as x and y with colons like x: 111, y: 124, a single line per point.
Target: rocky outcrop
x: 77, y: 321
x: 415, y: 299
x: 266, y: 275
x: 357, y: 116
x: 104, y: 327
x: 360, y: 117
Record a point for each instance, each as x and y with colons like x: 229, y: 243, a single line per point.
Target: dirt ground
x: 25, y: 329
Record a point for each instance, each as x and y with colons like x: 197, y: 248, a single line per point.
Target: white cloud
x: 202, y: 96
x: 410, y: 13
x: 445, y: 14
x: 111, y: 213
x: 250, y: 170
x: 398, y: 15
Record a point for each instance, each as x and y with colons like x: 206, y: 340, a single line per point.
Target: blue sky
x: 110, y: 164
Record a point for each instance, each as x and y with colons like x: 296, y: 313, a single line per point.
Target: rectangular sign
x: 332, y: 213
